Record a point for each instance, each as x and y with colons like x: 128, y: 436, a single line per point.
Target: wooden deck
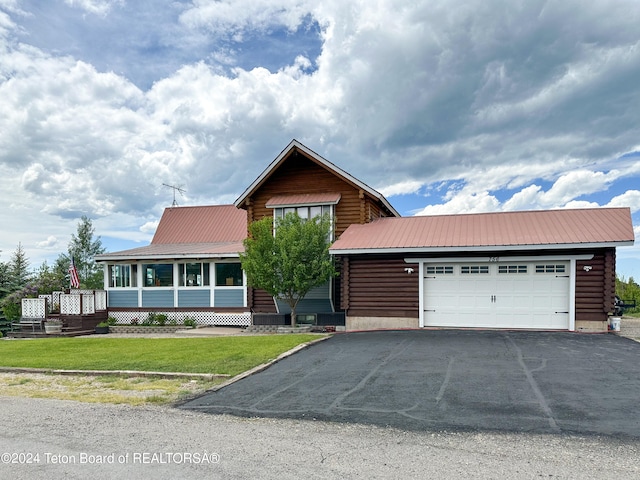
x: 72, y: 326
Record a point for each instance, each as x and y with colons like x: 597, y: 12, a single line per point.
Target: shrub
x: 151, y: 319
x: 112, y: 320
x: 161, y: 319
x: 189, y: 322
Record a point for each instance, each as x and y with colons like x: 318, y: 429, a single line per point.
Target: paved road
x: 451, y: 380
x: 54, y: 439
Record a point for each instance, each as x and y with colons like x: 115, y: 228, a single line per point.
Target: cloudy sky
x: 443, y: 106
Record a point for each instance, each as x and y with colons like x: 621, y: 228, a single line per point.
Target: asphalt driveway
x: 451, y: 380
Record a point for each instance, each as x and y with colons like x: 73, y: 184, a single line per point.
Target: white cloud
x: 150, y: 227
x: 630, y: 198
x: 235, y: 16
x: 96, y: 7
x: 463, y: 202
x: 50, y: 242
x: 504, y: 98
x: 401, y: 188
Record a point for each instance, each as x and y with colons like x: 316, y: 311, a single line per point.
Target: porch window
x: 158, y: 274
x: 193, y: 274
x: 123, y: 276
x: 228, y: 275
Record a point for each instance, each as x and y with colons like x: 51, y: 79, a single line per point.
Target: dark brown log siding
x: 260, y: 301
x: 595, y: 289
x: 380, y: 287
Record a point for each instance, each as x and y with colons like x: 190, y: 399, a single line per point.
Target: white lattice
x: 49, y: 301
x: 88, y: 304
x: 34, y: 307
x: 70, y: 304
x: 101, y: 299
x: 56, y: 300
x: 201, y: 318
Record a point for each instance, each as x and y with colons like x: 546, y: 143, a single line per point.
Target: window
x: 123, y: 276
x: 474, y: 269
x: 193, y: 274
x: 158, y: 275
x: 439, y: 270
x: 228, y: 275
x: 306, y: 212
x: 550, y: 268
x: 512, y: 269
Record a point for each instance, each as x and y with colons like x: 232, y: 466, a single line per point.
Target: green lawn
x: 221, y: 355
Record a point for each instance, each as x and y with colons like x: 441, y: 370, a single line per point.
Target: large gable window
x: 306, y: 205
x: 306, y: 212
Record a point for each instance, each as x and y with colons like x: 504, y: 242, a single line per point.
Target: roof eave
x: 483, y: 248
x: 172, y: 256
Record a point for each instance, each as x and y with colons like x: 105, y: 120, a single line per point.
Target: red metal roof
x: 176, y: 250
x: 207, y: 224
x: 192, y: 232
x: 303, y: 199
x: 541, y: 228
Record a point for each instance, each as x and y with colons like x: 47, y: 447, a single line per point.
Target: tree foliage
x: 290, y: 263
x: 628, y: 290
x: 83, y: 248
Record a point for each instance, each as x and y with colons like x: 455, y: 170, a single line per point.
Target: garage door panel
x: 525, y: 295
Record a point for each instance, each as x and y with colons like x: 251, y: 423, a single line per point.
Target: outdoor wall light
x: 409, y: 270
x: 587, y: 268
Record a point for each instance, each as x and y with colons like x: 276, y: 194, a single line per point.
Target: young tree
x: 290, y: 263
x: 83, y: 248
x: 19, y: 274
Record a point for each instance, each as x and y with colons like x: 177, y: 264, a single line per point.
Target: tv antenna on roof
x: 175, y: 188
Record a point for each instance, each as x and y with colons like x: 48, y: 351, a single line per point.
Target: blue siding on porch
x: 194, y: 298
x: 228, y: 298
x: 123, y: 298
x: 157, y: 298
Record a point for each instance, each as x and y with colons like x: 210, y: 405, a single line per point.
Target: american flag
x: 73, y: 272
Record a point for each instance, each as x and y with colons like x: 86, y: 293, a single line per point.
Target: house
x: 551, y: 270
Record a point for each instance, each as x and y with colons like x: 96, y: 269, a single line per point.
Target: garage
x: 512, y: 294
x: 540, y: 270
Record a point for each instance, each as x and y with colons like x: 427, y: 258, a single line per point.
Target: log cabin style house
x: 546, y: 270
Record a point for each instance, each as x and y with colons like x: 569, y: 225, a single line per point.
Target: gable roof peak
x: 296, y: 145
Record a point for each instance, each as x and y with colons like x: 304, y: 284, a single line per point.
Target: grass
x: 103, y: 389
x: 221, y: 355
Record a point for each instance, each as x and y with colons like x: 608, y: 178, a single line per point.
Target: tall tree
x: 290, y: 263
x: 83, y: 248
x: 19, y: 274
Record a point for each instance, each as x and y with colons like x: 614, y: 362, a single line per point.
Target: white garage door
x: 497, y: 295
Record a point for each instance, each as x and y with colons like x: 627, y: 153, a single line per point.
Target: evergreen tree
x: 82, y: 249
x: 19, y: 274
